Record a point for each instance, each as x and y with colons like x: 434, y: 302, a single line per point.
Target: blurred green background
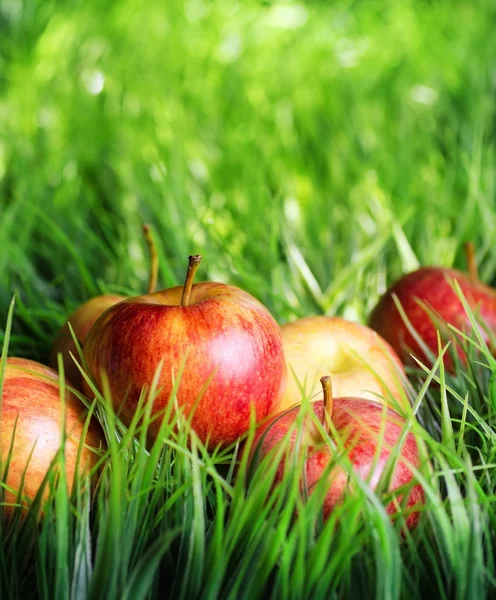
x: 310, y: 151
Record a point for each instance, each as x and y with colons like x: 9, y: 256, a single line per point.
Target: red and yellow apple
x: 224, y: 344
x: 31, y: 412
x: 368, y: 432
x: 360, y: 362
x: 84, y: 317
x: 81, y: 321
x: 430, y: 302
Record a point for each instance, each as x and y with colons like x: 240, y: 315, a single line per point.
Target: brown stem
x: 473, y: 273
x: 152, y: 249
x: 327, y: 389
x: 194, y: 262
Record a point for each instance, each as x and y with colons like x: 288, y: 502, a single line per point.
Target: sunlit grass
x: 311, y: 153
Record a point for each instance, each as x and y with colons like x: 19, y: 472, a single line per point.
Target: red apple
x: 31, y: 407
x: 431, y: 289
x: 367, y: 430
x: 229, y: 343
x: 84, y: 317
x: 360, y: 362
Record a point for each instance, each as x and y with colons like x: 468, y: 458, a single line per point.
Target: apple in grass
x: 225, y: 343
x: 430, y: 302
x: 84, y: 317
x: 30, y: 414
x: 369, y: 433
x: 81, y: 321
x: 360, y: 362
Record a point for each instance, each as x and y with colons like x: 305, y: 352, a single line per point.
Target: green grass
x: 311, y: 153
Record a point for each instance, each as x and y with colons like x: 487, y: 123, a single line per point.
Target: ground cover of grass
x: 311, y: 152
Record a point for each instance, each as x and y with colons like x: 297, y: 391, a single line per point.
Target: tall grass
x: 312, y: 152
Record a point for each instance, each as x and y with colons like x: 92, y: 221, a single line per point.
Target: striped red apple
x: 31, y: 417
x: 430, y: 302
x: 369, y: 433
x: 223, y: 344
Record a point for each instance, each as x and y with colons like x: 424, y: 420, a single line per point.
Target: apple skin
x: 361, y: 363
x: 33, y: 398
x: 431, y: 285
x: 224, y: 334
x: 361, y: 427
x: 82, y: 320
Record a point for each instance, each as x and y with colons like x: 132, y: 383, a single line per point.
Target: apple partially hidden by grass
x: 370, y: 435
x: 430, y: 302
x: 360, y: 362
x: 223, y: 344
x: 31, y: 415
x: 83, y: 319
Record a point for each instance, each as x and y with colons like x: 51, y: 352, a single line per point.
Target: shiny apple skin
x: 224, y: 334
x: 362, y: 426
x: 432, y: 286
x: 33, y: 398
x: 360, y: 362
x: 81, y: 320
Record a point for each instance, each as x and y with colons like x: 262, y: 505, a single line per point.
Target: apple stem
x: 473, y: 273
x: 152, y: 249
x: 194, y: 262
x: 327, y: 389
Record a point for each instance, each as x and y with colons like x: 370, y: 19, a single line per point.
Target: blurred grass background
x: 310, y: 151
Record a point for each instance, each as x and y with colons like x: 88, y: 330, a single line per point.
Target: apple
x: 81, y: 322
x: 430, y: 290
x: 31, y: 412
x: 227, y: 341
x: 85, y: 316
x: 368, y: 432
x: 361, y: 363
